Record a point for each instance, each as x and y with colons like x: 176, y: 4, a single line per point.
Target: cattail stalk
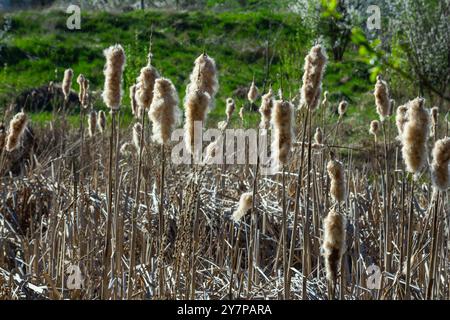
x: 112, y: 96
x: 297, y: 201
x: 440, y: 177
x: 164, y: 114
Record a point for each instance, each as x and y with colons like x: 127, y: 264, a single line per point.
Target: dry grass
x: 167, y: 231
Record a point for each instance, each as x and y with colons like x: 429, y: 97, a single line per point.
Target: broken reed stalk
x: 134, y: 212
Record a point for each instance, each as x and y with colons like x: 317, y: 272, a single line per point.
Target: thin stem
x: 134, y: 213
x: 307, y: 216
x: 106, y: 253
x: 433, y: 253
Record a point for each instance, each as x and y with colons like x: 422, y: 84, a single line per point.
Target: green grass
x: 38, y: 48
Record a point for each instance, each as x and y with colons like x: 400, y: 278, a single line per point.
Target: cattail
x: 401, y: 118
x: 2, y: 136
x: 128, y: 149
x: 434, y: 120
x: 374, y: 127
x: 211, y: 151
x: 101, y: 121
x: 337, y: 175
x: 333, y: 243
x: 282, y: 116
x: 434, y: 115
x: 439, y: 166
x: 85, y: 98
x: 342, y: 108
x: 204, y: 77
x: 241, y: 113
x: 16, y: 129
x: 314, y: 68
x: 252, y: 94
x: 67, y: 83
x: 266, y: 109
x: 133, y: 100
x: 164, y: 112
x: 245, y: 204
x: 80, y: 80
x: 145, y: 87
x: 137, y: 131
x: 231, y: 105
x: 115, y: 63
x: 325, y: 101
x: 92, y: 123
x: 415, y: 134
x: 382, y: 100
x: 222, y: 125
x: 318, y: 136
x: 196, y: 107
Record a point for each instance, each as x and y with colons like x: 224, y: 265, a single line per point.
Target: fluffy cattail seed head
x: 382, y: 100
x: 325, y: 101
x: 67, y: 83
x: 133, y: 101
x: 266, y: 109
x: 241, y: 113
x: 204, y: 77
x: 137, y: 131
x: 195, y: 109
x: 282, y: 123
x: 164, y: 112
x: 145, y: 87
x: 2, y: 136
x: 92, y: 123
x: 245, y: 204
x: 374, y: 127
x: 440, y: 165
x: 415, y: 134
x: 16, y: 129
x: 314, y: 68
x: 337, y: 175
x: 252, y: 94
x: 80, y: 80
x: 342, y: 108
x: 213, y: 152
x: 318, y: 136
x: 128, y: 149
x: 101, y: 121
x: 401, y: 118
x: 434, y: 115
x: 333, y: 243
x: 230, y: 106
x: 115, y: 63
x: 222, y: 125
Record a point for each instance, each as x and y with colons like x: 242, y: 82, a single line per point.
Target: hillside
x: 38, y: 47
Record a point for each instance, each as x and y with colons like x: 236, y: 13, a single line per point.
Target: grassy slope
x: 38, y: 43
